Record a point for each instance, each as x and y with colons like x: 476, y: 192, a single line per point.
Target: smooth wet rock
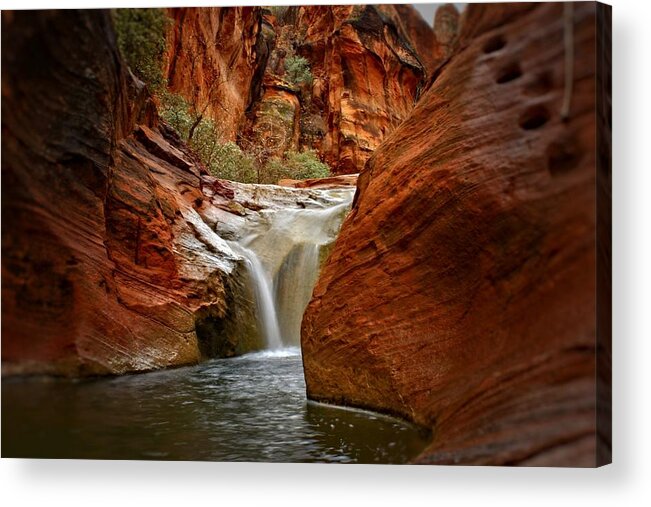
x: 460, y: 293
x: 289, y: 233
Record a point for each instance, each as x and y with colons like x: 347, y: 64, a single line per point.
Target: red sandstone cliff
x: 460, y: 293
x: 366, y: 70
x: 446, y: 33
x: 433, y: 45
x: 107, y: 263
x: 367, y: 78
x: 212, y: 59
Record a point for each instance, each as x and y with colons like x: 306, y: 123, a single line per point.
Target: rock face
x: 446, y: 33
x: 366, y: 79
x: 432, y: 45
x: 212, y: 59
x: 346, y: 180
x: 100, y: 273
x: 460, y: 293
x: 231, y: 62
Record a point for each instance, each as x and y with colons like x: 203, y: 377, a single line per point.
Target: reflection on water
x: 251, y: 408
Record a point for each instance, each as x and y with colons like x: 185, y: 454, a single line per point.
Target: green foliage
x: 306, y: 164
x: 226, y: 159
x: 223, y: 159
x: 175, y: 110
x: 206, y: 140
x: 231, y: 163
x: 278, y: 11
x: 141, y: 39
x: 295, y: 165
x: 297, y: 70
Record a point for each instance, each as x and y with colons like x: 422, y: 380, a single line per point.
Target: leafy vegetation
x: 231, y: 163
x: 175, y: 110
x: 297, y: 70
x: 141, y: 39
x: 223, y: 159
x: 296, y: 165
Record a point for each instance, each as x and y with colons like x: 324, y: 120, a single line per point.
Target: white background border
x: 626, y: 482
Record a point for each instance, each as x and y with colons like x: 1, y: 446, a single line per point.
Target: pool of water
x: 250, y: 408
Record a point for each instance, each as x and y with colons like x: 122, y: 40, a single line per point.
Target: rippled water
x: 251, y: 408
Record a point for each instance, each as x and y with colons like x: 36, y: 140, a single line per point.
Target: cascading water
x: 284, y: 251
x: 266, y: 311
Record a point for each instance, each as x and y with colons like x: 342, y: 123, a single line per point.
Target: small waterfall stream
x: 264, y: 299
x: 284, y: 252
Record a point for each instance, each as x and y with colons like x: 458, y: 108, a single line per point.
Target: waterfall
x: 284, y: 250
x: 266, y: 310
x: 293, y: 288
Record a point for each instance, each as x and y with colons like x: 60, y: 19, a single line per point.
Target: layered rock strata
x: 460, y: 293
x: 346, y: 180
x: 115, y: 253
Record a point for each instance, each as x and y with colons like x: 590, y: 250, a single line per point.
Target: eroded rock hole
x: 563, y: 156
x: 534, y: 117
x: 540, y: 85
x: 494, y: 44
x: 509, y: 73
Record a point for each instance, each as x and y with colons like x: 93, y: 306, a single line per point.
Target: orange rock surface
x: 107, y: 266
x: 212, y: 59
x: 460, y: 293
x: 230, y: 63
x: 366, y: 79
x: 446, y: 32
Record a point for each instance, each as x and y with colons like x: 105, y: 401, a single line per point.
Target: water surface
x: 251, y: 408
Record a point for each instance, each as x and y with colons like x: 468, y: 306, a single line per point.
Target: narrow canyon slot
x: 307, y: 233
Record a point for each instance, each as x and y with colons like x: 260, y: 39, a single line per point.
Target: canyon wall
x: 366, y: 79
x: 460, y: 293
x: 212, y: 57
x: 366, y: 75
x: 100, y: 267
x: 111, y: 262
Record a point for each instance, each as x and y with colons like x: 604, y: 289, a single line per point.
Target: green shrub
x: 275, y: 170
x: 175, y: 110
x: 306, y: 164
x: 206, y: 139
x: 231, y: 163
x: 296, y: 166
x: 223, y: 159
x: 141, y: 39
x: 297, y: 70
